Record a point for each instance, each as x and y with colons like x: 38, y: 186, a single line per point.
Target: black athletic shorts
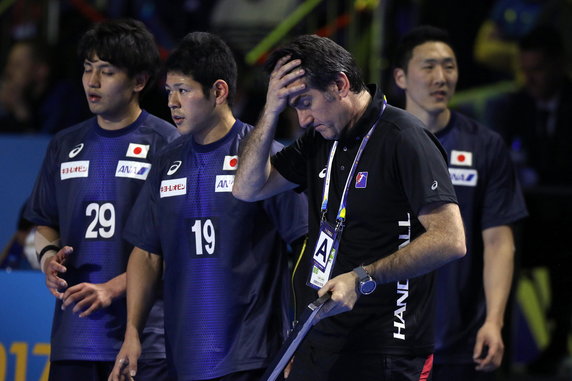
x: 465, y: 372
x: 316, y: 364
x: 147, y: 370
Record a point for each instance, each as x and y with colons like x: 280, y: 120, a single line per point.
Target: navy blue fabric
x: 226, y: 276
x: 489, y: 195
x: 89, y: 213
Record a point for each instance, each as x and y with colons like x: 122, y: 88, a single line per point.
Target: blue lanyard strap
x: 341, y: 217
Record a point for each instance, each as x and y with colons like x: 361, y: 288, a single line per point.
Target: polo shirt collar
x: 368, y: 118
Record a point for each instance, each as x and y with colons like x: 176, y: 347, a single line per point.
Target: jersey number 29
x: 102, y: 218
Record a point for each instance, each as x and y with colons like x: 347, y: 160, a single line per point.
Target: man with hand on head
x: 223, y: 261
x: 471, y: 293
x: 382, y: 212
x: 90, y: 178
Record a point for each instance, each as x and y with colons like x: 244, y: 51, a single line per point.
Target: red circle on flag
x: 233, y: 162
x: 461, y: 157
x: 137, y: 150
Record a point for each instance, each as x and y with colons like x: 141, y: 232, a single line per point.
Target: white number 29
x: 103, y: 222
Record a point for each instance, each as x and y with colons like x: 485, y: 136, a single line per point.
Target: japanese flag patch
x: 464, y: 158
x: 230, y: 163
x: 137, y: 150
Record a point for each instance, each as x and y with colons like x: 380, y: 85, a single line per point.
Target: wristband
x: 45, y: 250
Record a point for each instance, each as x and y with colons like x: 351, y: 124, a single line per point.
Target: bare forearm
x: 143, y: 274
x: 254, y: 169
x: 498, y: 271
x: 442, y: 242
x: 255, y: 179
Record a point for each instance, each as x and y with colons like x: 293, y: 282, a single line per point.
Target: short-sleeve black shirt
x: 405, y: 169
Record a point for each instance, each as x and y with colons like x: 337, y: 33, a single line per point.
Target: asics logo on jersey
x: 434, y: 185
x: 173, y: 168
x: 323, y: 173
x: 77, y: 149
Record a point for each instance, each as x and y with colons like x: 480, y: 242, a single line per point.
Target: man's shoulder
x: 161, y: 127
x: 398, y: 115
x: 73, y: 133
x: 466, y: 125
x: 175, y: 148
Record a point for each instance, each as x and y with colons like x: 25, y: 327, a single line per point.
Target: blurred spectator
x: 558, y: 14
x: 537, y: 119
x: 496, y: 43
x: 537, y: 122
x: 32, y: 96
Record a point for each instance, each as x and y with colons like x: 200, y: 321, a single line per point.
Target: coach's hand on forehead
x: 281, y: 85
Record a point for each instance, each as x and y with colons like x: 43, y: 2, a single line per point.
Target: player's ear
x: 141, y: 80
x: 400, y: 77
x: 220, y: 90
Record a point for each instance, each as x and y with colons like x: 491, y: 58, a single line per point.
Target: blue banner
x: 25, y: 323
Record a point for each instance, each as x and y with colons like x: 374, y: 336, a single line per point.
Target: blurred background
x: 40, y: 94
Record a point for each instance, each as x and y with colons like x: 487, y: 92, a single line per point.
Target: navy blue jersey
x: 402, y: 169
x: 489, y: 195
x: 87, y: 185
x: 225, y: 270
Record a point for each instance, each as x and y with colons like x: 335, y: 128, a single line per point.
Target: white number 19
x: 205, y: 233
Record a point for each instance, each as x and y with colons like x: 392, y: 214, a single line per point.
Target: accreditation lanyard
x: 326, y: 248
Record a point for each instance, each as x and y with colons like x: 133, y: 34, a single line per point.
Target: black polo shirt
x: 402, y: 169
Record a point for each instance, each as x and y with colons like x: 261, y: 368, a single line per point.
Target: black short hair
x: 322, y: 60
x: 545, y: 39
x: 207, y: 58
x: 125, y: 43
x: 415, y: 37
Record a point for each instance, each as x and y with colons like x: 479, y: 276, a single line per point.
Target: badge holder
x: 325, y: 252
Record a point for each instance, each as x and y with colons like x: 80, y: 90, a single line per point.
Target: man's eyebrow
x: 435, y: 60
x: 100, y: 64
x: 294, y: 101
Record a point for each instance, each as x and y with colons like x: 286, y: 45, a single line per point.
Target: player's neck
x: 219, y: 126
x: 433, y: 121
x: 119, y: 120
